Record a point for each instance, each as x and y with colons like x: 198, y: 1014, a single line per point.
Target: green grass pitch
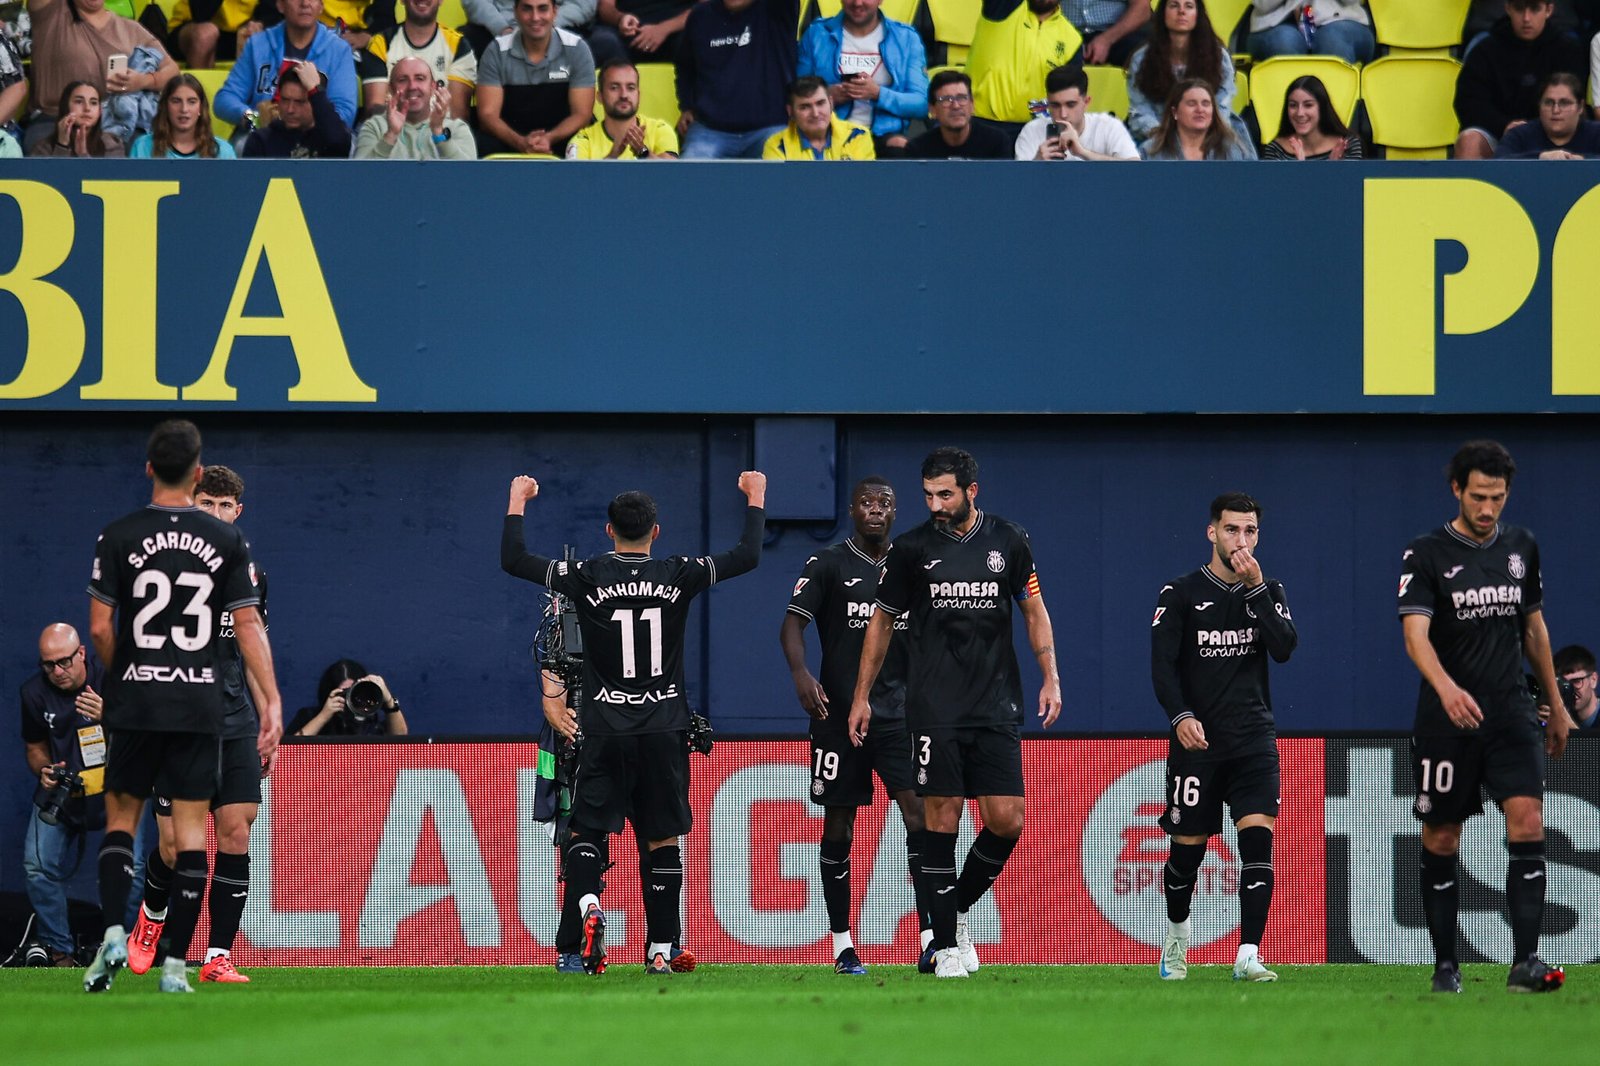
x: 764, y: 1015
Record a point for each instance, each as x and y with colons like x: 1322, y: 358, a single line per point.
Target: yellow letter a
x: 307, y: 317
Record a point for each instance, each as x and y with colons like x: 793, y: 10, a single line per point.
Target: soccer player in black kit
x: 953, y: 578
x: 1206, y: 643
x: 634, y: 764
x: 1471, y: 600
x: 837, y: 590
x: 163, y: 577
x: 220, y: 494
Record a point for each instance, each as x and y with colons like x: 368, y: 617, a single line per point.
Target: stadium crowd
x: 578, y: 79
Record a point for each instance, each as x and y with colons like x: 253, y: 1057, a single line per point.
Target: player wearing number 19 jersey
x: 1209, y: 641
x: 634, y: 764
x: 168, y: 573
x: 954, y: 579
x: 1471, y: 599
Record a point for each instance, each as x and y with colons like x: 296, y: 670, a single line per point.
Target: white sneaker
x: 175, y: 976
x: 969, y: 954
x: 1248, y: 966
x: 947, y: 963
x: 1175, y: 952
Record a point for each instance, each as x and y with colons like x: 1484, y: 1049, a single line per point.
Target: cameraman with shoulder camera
x: 66, y: 749
x: 355, y: 703
x: 632, y: 612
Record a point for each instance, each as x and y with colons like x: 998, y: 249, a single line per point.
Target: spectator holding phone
x: 874, y: 68
x: 354, y: 703
x: 78, y: 40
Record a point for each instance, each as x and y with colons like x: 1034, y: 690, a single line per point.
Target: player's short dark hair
x: 805, y: 88
x: 1574, y: 657
x: 946, y: 78
x: 219, y: 481
x: 1237, y: 502
x: 173, y: 449
x: 632, y: 515
x: 1487, y: 457
x: 613, y: 64
x: 871, y: 481
x: 942, y: 461
x: 1071, y: 76
x: 337, y: 674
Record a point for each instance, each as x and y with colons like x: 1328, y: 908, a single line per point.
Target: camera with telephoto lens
x: 53, y: 799
x: 362, y: 701
x: 1569, y: 693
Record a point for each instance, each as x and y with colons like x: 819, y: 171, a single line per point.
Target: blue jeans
x: 50, y: 855
x: 703, y: 142
x: 1350, y: 41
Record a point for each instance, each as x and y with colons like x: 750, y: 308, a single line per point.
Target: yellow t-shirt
x: 591, y: 142
x: 1010, y: 58
x: 230, y: 16
x: 846, y: 141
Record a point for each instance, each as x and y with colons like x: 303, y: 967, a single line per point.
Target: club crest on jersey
x: 1175, y: 816
x: 798, y: 585
x: 818, y: 788
x: 922, y: 775
x: 1515, y: 566
x: 997, y: 562
x: 1423, y: 805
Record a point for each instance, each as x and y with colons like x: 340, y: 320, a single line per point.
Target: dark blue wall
x: 380, y: 535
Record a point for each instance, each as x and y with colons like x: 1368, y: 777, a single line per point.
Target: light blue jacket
x: 255, y: 75
x: 903, y: 54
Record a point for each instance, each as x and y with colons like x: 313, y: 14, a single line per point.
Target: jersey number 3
x: 157, y: 587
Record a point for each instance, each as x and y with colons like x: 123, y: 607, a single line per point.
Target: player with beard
x: 953, y: 579
x: 219, y: 494
x: 1471, y: 607
x: 837, y: 590
x: 1206, y: 644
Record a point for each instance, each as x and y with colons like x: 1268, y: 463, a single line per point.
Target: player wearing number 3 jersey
x: 1209, y: 640
x: 167, y: 574
x: 634, y: 764
x: 1471, y: 607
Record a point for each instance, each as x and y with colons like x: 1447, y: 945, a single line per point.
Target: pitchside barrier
x: 426, y: 853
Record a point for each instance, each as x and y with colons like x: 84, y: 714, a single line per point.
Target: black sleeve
x: 241, y: 587
x: 33, y: 727
x: 894, y: 591
x: 999, y: 10
x: 1166, y: 646
x: 744, y: 556
x: 1477, y: 102
x: 1278, y: 634
x: 686, y: 71
x: 1532, y: 584
x: 333, y: 136
x: 516, y: 560
x: 811, y: 589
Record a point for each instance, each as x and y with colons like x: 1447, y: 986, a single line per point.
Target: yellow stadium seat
x: 212, y: 81
x: 1411, y: 104
x: 1226, y: 15
x: 1419, y: 24
x: 518, y: 157
x: 1108, y: 90
x: 901, y: 10
x: 826, y: 9
x: 954, y: 22
x: 1241, y: 91
x: 451, y: 13
x: 1269, y: 84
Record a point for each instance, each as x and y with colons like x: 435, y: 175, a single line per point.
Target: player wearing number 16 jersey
x: 1209, y: 641
x: 634, y: 764
x: 167, y: 574
x: 1471, y: 607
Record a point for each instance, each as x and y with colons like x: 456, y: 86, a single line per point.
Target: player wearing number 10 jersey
x: 1471, y: 606
x: 1207, y: 640
x: 168, y: 573
x: 634, y: 764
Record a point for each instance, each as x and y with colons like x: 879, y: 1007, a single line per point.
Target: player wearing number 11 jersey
x: 1209, y: 641
x: 634, y: 764
x: 167, y: 574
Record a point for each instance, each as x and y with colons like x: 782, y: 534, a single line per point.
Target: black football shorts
x: 841, y: 773
x: 1452, y: 772
x: 1198, y: 786
x: 643, y: 779
x: 144, y: 762
x: 968, y: 761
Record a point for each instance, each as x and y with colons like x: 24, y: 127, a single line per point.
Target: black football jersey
x: 632, y: 610
x: 838, y: 590
x: 239, y: 719
x: 170, y: 573
x: 1477, y: 596
x: 1207, y: 641
x: 955, y: 593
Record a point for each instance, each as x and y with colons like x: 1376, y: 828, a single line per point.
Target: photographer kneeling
x: 355, y: 703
